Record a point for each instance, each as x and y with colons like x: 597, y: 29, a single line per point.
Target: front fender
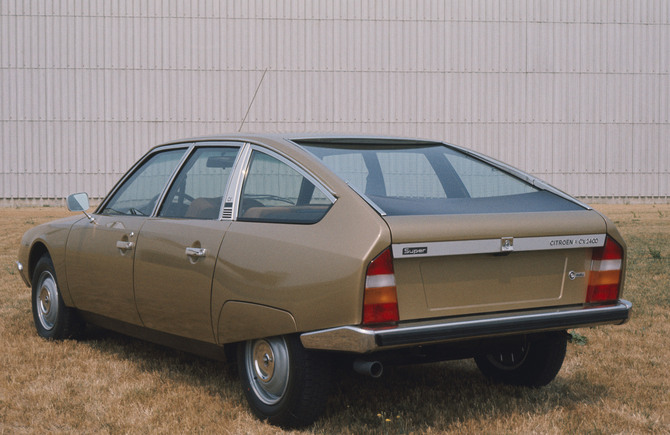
x: 48, y: 238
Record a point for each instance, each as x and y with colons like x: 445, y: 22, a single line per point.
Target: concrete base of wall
x: 60, y: 202
x: 41, y: 202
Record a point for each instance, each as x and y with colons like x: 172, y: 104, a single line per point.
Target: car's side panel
x: 99, y: 261
x: 315, y: 272
x: 174, y: 265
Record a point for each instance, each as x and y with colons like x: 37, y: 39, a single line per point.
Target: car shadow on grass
x: 405, y: 399
x: 168, y: 363
x: 441, y: 396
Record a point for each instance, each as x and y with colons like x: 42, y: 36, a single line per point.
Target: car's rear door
x: 100, y: 254
x: 177, y: 249
x: 292, y: 257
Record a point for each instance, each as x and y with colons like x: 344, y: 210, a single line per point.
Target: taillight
x: 605, y: 277
x: 380, y: 303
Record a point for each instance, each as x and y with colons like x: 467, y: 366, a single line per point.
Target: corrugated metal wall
x: 576, y: 92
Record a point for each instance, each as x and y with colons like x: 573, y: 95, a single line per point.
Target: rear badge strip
x: 492, y: 246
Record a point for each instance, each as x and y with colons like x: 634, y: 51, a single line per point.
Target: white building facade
x: 576, y: 92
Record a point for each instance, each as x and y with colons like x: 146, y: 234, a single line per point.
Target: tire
x: 53, y: 319
x: 534, y: 363
x: 284, y: 383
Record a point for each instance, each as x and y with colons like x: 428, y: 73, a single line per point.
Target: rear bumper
x: 363, y: 340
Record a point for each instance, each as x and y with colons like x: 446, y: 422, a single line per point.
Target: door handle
x: 124, y: 245
x: 196, y: 252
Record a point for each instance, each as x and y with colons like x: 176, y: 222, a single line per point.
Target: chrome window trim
x: 493, y: 246
x: 234, y: 188
x: 370, y: 202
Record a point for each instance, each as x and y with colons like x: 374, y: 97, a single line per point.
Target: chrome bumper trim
x: 20, y: 268
x: 362, y: 340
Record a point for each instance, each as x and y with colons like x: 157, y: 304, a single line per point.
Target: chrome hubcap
x: 47, y: 300
x: 264, y: 364
x: 268, y: 368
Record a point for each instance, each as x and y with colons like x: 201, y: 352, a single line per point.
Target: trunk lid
x: 452, y: 265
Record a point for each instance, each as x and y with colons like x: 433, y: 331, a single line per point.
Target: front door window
x: 140, y: 192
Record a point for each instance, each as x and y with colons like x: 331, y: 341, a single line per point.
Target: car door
x: 177, y: 249
x: 286, y: 253
x: 100, y: 254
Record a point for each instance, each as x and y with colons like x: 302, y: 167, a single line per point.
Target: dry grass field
x: 616, y: 379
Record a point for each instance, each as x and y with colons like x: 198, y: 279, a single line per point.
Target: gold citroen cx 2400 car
x: 295, y: 251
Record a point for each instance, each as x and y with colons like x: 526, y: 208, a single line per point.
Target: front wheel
x: 284, y: 383
x: 53, y: 319
x: 532, y: 363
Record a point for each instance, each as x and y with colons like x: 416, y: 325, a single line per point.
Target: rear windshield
x: 432, y: 179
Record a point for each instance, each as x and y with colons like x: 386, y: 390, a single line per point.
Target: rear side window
x: 432, y: 179
x: 275, y: 192
x: 198, y: 190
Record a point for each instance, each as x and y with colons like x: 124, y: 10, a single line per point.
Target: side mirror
x: 78, y: 202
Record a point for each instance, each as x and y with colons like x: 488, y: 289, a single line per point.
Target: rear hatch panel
x: 452, y: 265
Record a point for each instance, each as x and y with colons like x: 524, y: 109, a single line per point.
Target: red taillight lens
x: 380, y: 303
x: 605, y: 277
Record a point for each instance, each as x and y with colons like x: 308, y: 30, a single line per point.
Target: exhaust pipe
x: 368, y: 368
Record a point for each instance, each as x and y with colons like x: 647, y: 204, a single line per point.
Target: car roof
x: 330, y: 138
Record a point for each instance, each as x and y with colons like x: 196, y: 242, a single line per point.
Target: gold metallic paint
x: 240, y: 321
x: 100, y: 275
x: 271, y: 279
x: 172, y: 290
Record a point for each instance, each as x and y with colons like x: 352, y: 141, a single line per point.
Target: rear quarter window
x: 275, y: 192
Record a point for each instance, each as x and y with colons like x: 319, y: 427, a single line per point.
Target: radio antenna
x: 252, y: 100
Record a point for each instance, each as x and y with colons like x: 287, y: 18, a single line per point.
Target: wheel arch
x: 239, y: 321
x: 40, y: 248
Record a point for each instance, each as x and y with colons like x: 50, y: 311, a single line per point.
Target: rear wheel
x: 284, y: 383
x: 53, y: 319
x: 532, y: 363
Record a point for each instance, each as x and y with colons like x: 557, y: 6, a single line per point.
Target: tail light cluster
x: 605, y: 277
x: 380, y: 303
